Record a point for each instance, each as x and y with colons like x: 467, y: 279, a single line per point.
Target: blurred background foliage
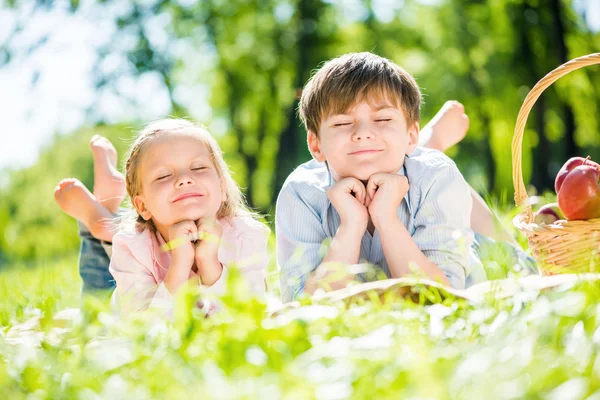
x: 253, y: 56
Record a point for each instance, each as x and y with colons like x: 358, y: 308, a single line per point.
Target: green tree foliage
x: 254, y: 56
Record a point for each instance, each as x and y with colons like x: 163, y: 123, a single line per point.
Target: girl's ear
x: 315, y: 147
x: 413, y: 137
x: 140, y: 206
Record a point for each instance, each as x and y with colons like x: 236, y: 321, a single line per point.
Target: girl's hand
x: 182, y: 253
x: 206, y: 250
x: 180, y: 243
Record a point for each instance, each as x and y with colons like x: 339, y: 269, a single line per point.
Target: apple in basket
x: 548, y: 214
x: 577, y: 187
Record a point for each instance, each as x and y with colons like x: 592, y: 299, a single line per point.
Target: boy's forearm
x: 345, y: 245
x: 345, y: 250
x: 392, y: 232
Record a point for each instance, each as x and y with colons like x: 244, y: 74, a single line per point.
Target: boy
x: 369, y: 189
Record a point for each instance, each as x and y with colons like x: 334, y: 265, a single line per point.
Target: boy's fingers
x: 372, y: 187
x: 359, y: 190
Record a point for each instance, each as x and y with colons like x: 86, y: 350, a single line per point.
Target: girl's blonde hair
x: 233, y: 204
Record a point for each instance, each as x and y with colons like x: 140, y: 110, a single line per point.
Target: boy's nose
x: 363, y: 132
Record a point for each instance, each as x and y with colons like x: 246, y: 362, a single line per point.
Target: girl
x: 189, y: 220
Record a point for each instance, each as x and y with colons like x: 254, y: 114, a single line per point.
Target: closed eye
x: 198, y: 169
x: 383, y: 120
x: 160, y: 178
x: 343, y: 124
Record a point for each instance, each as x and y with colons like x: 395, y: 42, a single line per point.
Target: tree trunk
x: 293, y: 136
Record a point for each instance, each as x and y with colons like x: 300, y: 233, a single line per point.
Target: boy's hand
x: 348, y: 197
x: 384, y: 195
x: 206, y: 249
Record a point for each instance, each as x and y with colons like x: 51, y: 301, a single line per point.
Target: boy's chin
x: 365, y: 174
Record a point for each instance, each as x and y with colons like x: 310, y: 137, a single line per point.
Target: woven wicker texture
x: 564, y: 246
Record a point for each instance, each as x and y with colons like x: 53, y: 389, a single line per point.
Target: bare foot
x: 109, y: 183
x: 77, y: 201
x: 448, y: 127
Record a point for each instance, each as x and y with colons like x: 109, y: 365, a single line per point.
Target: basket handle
x: 521, y: 197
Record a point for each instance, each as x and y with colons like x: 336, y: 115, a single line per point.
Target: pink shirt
x: 139, y: 266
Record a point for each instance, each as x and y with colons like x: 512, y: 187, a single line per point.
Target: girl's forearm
x: 210, y: 271
x: 177, y: 275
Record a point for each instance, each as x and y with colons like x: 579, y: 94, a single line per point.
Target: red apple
x: 579, y: 193
x: 568, y: 167
x: 548, y: 214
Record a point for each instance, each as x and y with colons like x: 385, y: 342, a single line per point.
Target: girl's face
x: 179, y: 181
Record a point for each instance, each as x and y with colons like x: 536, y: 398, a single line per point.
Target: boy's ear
x: 413, y: 137
x: 140, y: 206
x: 315, y: 147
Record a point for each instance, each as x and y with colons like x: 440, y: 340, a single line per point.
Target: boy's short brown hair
x: 343, y: 81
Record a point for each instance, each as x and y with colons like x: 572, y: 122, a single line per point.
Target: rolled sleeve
x: 300, y: 236
x: 251, y: 258
x: 442, y: 224
x: 136, y: 286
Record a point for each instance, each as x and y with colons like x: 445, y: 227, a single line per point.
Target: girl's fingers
x: 209, y: 229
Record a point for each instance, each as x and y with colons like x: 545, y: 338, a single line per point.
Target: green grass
x: 531, y: 346
x: 50, y: 286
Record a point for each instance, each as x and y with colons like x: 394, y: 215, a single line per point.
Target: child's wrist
x: 210, y: 274
x: 207, y: 264
x: 352, y: 228
x: 175, y: 277
x: 384, y: 220
x: 179, y: 264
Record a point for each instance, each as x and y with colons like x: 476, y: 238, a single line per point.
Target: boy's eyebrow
x: 383, y: 107
x: 376, y: 108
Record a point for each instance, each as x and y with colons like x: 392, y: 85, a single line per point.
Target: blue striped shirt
x: 436, y: 211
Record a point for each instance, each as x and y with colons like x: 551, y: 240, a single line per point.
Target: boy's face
x: 366, y: 139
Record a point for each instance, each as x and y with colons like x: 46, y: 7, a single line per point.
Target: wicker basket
x: 564, y: 246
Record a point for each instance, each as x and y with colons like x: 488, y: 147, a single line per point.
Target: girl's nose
x: 184, y: 180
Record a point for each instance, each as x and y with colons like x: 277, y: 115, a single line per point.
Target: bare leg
x: 109, y: 183
x: 485, y: 222
x: 77, y: 201
x: 448, y: 127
